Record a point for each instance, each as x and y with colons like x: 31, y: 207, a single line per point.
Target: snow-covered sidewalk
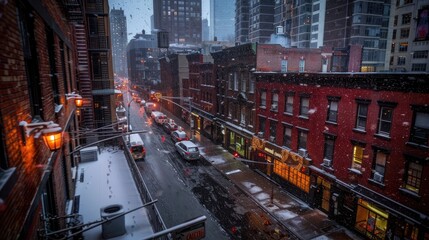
x: 105, y: 182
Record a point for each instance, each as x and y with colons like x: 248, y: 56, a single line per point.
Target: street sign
x: 193, y: 232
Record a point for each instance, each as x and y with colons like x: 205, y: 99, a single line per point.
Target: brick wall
x: 20, y: 217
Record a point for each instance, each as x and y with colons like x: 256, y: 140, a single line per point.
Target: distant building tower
x: 363, y: 23
x: 118, y: 29
x: 182, y: 19
x: 205, y: 30
x: 143, y: 64
x: 408, y: 37
x: 222, y: 13
x: 261, y: 19
x: 241, y: 21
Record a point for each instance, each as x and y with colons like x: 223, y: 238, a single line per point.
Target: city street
x: 186, y: 190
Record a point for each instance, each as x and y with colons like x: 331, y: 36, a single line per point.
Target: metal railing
x: 154, y: 216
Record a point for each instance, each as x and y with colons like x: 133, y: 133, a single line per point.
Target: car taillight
x: 187, y: 153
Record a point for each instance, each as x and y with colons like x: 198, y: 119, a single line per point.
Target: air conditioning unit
x: 327, y: 162
x: 274, y: 107
x: 272, y: 139
x: 303, y: 152
x: 378, y: 177
x: 261, y: 134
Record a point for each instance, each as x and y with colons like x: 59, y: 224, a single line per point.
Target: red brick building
x: 202, y: 90
x: 354, y: 145
x: 37, y: 62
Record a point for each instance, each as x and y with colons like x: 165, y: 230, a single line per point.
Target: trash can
x: 115, y: 227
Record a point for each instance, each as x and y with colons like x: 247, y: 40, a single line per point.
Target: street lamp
x: 50, y: 131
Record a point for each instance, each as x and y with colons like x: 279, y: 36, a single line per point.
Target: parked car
x: 159, y: 117
x: 179, y: 135
x: 170, y: 126
x: 188, y: 150
x: 149, y: 107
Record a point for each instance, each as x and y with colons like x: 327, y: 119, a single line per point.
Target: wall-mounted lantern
x: 78, y: 100
x: 50, y: 131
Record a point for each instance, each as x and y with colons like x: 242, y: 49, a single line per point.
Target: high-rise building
x: 241, y: 21
x: 222, y: 13
x: 408, y: 39
x: 182, y: 19
x: 261, y: 19
x: 359, y: 22
x: 205, y: 30
x: 143, y: 64
x: 118, y: 30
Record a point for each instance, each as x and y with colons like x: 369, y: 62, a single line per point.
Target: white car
x: 178, y: 135
x: 159, y: 117
x: 188, y: 150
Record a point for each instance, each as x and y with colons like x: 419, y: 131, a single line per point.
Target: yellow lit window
x: 357, y: 157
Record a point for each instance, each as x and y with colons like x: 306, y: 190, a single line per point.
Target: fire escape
x: 75, y: 11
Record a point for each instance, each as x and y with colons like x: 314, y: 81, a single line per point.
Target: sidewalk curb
x: 293, y: 235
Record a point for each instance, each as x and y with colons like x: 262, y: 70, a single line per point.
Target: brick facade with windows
x: 364, y: 142
x: 36, y: 74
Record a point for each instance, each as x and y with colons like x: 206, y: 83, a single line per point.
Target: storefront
x: 237, y: 140
x: 287, y: 166
x: 371, y: 220
x: 203, y: 123
x: 378, y: 217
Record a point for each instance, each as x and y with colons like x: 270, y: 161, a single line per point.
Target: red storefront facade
x: 353, y: 145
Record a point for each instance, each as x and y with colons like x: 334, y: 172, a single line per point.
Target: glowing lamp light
x: 53, y: 139
x: 51, y: 132
x: 78, y: 102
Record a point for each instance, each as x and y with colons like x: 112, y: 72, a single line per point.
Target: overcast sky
x: 138, y: 13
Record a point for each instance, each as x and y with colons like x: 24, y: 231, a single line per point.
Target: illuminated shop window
x: 371, y: 221
x: 292, y: 175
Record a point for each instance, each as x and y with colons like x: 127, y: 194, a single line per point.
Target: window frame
x: 360, y: 117
x: 376, y: 163
x: 289, y: 105
x: 263, y: 99
x: 287, y: 138
x: 385, y: 118
x: 302, y: 138
x: 425, y: 140
x: 413, y: 182
x: 332, y: 115
x: 304, y: 109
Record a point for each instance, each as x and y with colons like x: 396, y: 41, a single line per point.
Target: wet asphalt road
x: 186, y: 190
